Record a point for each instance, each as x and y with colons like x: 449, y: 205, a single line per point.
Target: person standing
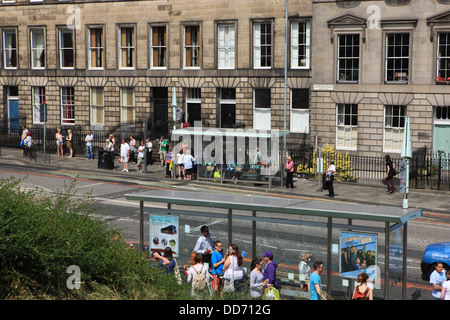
x: 162, y: 150
x: 149, y: 146
x: 141, y: 154
x: 232, y: 268
x: 59, y: 142
x: 169, y: 162
x: 270, y: 270
x: 289, y: 173
x: 69, y: 142
x: 188, y: 161
x: 257, y: 282
x: 362, y: 291
x: 198, y: 275
x: 445, y: 292
x: 124, y: 155
x: 437, y: 278
x: 390, y: 173
x: 304, y: 270
x: 315, y: 284
x: 204, y: 245
x: 330, y: 177
x: 217, y: 261
x: 89, y: 148
x: 180, y: 165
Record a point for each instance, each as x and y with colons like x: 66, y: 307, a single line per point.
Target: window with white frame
x: 158, y: 50
x: 262, y: 109
x: 127, y: 105
x: 10, y: 49
x: 127, y: 48
x: 443, y: 58
x: 348, y: 58
x: 226, y: 46
x: 96, y: 49
x: 347, y: 126
x: 191, y: 47
x: 67, y: 105
x: 38, y: 98
x: 300, y: 44
x: 299, y: 121
x: 397, y: 57
x: 262, y: 45
x: 394, y: 123
x: 66, y: 48
x: 97, y: 105
x: 37, y: 37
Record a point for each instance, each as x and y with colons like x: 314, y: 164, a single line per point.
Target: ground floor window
x: 38, y: 98
x: 67, y: 105
x: 127, y: 105
x: 394, y: 123
x: 347, y: 126
x: 97, y: 105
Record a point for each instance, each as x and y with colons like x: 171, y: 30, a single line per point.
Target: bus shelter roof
x: 307, y: 207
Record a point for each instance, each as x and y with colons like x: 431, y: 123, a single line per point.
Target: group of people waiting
x: 211, y: 270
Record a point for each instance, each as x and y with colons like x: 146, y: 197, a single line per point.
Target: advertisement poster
x: 164, y: 233
x: 358, y: 253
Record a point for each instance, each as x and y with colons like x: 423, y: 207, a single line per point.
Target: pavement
x: 432, y: 201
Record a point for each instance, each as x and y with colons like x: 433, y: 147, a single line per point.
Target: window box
x: 440, y: 80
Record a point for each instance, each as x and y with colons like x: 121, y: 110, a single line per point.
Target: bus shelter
x: 234, y: 155
x: 335, y: 216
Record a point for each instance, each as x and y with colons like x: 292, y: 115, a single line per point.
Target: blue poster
x: 164, y: 232
x: 358, y: 253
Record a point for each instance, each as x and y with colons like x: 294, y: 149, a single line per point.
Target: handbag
x: 21, y: 143
x: 271, y: 294
x: 177, y: 273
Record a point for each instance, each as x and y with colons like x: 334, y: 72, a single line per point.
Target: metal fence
x: 427, y: 169
x: 12, y: 139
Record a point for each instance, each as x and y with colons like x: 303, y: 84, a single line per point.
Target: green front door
x: 441, y: 138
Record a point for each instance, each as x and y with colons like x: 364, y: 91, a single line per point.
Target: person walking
x: 362, y: 291
x: 204, y: 245
x: 69, y: 143
x: 232, y: 269
x: 162, y: 150
x: 89, y: 147
x: 124, y: 155
x: 149, y: 147
x: 270, y: 270
x: 59, y: 142
x: 390, y: 173
x: 24, y: 136
x: 27, y: 144
x: 133, y: 149
x: 257, y: 282
x: 437, y: 278
x: 315, y: 284
x: 289, y: 173
x: 217, y: 261
x: 330, y: 177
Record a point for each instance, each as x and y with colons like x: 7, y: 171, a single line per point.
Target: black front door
x: 160, y: 125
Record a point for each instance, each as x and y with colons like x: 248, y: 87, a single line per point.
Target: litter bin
x: 105, y: 160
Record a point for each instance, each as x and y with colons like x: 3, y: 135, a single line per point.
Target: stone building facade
x: 375, y: 62
x: 99, y: 63
x: 355, y: 69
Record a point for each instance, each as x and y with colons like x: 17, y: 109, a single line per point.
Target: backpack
x: 199, y: 282
x: 361, y: 295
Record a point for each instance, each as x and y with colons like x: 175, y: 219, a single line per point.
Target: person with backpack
x: 199, y: 276
x: 362, y: 292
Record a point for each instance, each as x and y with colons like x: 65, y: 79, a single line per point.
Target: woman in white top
x: 445, y: 292
x: 59, y: 142
x: 257, y: 285
x: 195, y: 269
x: 180, y: 164
x: 232, y: 267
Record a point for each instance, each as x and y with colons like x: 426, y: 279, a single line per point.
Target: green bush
x: 41, y: 236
